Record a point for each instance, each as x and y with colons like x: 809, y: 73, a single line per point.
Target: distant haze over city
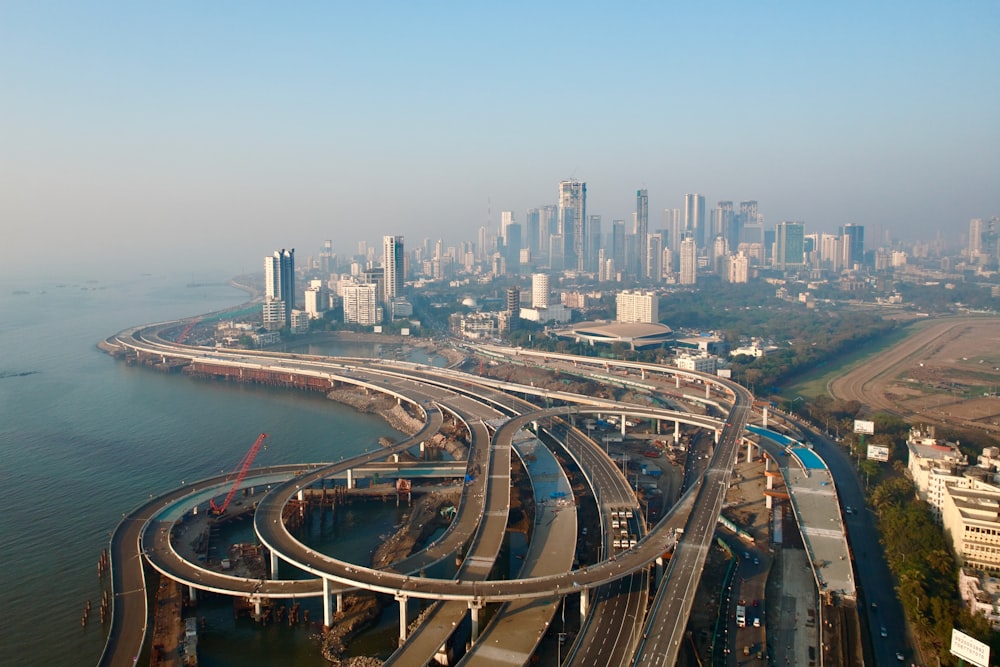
x: 191, y: 136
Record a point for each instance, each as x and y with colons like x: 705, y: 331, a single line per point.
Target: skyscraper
x: 975, y: 238
x: 279, y: 280
x: 642, y: 231
x: 573, y: 222
x: 392, y: 264
x: 853, y: 238
x: 689, y: 261
x: 618, y: 243
x: 539, y: 290
x: 694, y: 218
x: 789, y: 244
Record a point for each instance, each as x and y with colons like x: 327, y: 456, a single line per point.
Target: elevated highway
x: 432, y: 390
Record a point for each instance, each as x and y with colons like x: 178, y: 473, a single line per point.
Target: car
x: 899, y: 656
x: 883, y: 632
x: 756, y: 622
x: 874, y: 606
x: 849, y: 510
x: 756, y: 603
x: 746, y: 555
x: 756, y: 561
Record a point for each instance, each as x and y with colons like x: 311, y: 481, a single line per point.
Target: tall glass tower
x: 279, y: 280
x: 573, y: 222
x: 392, y: 264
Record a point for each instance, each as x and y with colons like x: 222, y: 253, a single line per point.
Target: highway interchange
x: 613, y: 591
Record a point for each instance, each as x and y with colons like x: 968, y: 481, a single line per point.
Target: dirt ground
x: 947, y: 373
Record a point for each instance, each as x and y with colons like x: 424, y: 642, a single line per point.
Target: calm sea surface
x: 84, y: 438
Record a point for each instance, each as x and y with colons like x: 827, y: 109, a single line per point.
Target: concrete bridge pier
x: 584, y: 604
x: 256, y: 607
x: 475, y: 606
x: 658, y: 572
x: 340, y: 603
x: 677, y: 432
x: 623, y: 424
x: 327, y: 612
x: 765, y: 417
x: 708, y: 390
x: 717, y: 434
x: 402, y: 600
x: 677, y: 381
x: 395, y: 458
x: 350, y: 478
x: 274, y: 565
x: 192, y: 594
x: 749, y: 450
x: 422, y: 448
x: 301, y: 495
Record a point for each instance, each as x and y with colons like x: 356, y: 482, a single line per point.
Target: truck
x: 741, y: 616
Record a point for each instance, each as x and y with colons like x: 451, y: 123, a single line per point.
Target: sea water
x: 85, y: 438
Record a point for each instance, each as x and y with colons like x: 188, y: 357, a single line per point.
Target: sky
x: 192, y: 133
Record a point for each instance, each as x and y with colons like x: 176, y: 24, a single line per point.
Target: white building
x: 738, y: 268
x: 361, y: 304
x: 640, y: 306
x: 540, y: 290
x: 933, y: 464
x: 689, y: 262
x: 300, y: 322
x: 273, y: 314
x: 703, y: 363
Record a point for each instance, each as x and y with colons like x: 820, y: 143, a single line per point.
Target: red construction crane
x: 239, y: 474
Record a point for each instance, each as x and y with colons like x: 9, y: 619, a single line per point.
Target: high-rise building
x: 694, y: 218
x: 975, y: 238
x: 361, y: 304
x: 618, y: 243
x: 674, y: 224
x: 637, y: 306
x: 642, y: 231
x: 513, y: 306
x: 540, y: 290
x: 738, y: 268
x: 789, y: 244
x: 279, y: 280
x: 573, y: 222
x: 853, y: 238
x: 689, y: 261
x: 392, y: 264
x: 654, y: 257
x: 593, y: 241
x: 532, y: 239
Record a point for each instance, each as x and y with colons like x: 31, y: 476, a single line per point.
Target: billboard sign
x: 878, y: 453
x: 967, y: 648
x: 866, y: 427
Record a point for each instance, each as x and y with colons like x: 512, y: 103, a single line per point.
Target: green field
x: 813, y: 384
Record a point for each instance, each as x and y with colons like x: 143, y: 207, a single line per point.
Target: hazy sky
x: 196, y: 133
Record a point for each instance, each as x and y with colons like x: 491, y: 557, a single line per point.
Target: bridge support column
x: 708, y: 390
x: 192, y: 594
x: 765, y: 417
x: 677, y: 381
x: 402, y: 600
x: 301, y: 495
x: 658, y: 572
x: 623, y: 424
x: 256, y: 607
x: 422, y: 447
x: 327, y: 612
x: 749, y: 450
x: 395, y: 458
x: 642, y: 373
x: 340, y: 603
x: 350, y: 478
x: 274, y: 565
x: 677, y: 432
x: 475, y: 606
x: 717, y: 434
x: 584, y: 604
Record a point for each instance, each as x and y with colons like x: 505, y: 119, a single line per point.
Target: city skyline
x: 210, y: 132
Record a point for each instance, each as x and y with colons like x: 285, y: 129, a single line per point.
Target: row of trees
x: 925, y: 570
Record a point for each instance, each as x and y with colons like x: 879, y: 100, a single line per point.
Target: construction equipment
x: 239, y: 474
